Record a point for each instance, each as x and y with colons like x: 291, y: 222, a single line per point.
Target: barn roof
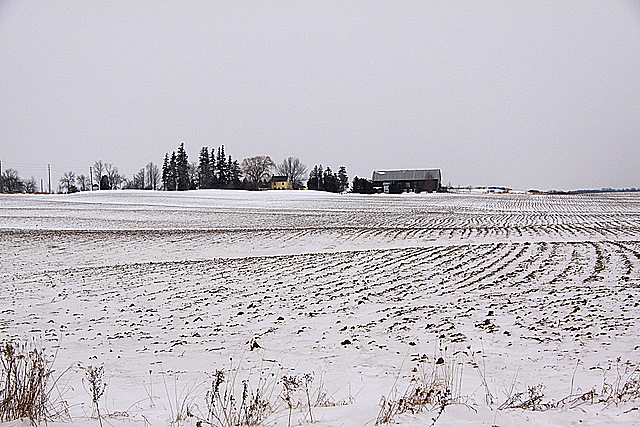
x: 406, y: 175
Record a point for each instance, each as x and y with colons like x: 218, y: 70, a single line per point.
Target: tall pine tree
x: 330, y: 181
x: 312, y: 182
x: 172, y: 173
x: 213, y: 168
x: 343, y: 179
x: 182, y: 169
x: 235, y: 174
x: 221, y: 167
x: 362, y: 185
x: 232, y: 171
x: 204, y: 169
x: 165, y: 172
x: 316, y: 178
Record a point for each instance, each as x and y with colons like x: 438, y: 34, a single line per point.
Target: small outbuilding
x: 407, y: 180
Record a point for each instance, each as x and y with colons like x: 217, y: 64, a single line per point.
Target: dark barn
x: 407, y: 180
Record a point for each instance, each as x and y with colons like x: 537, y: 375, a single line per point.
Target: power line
x: 22, y: 164
x: 22, y: 169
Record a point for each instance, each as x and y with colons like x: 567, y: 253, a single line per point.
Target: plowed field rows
x: 541, y: 289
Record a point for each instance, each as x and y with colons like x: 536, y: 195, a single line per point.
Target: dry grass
x: 435, y: 386
x: 438, y: 384
x: 225, y: 409
x: 624, y: 388
x: 180, y: 399
x: 256, y: 400
x: 304, y: 392
x: 531, y: 399
x: 94, y: 375
x: 27, y: 384
x: 233, y: 402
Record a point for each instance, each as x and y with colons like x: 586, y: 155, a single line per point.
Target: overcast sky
x: 527, y: 94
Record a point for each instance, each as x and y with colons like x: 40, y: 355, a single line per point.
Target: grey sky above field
x: 529, y: 94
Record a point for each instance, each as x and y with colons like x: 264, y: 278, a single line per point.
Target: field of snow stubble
x: 162, y: 289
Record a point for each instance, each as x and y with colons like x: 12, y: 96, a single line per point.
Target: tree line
x: 214, y: 169
x: 10, y: 182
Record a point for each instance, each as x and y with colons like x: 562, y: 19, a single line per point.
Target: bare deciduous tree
x: 295, y: 170
x: 113, y: 176
x: 98, y: 171
x: 192, y: 172
x: 138, y: 181
x: 83, y: 182
x: 257, y: 170
x: 68, y: 183
x: 30, y: 185
x: 11, y: 182
x: 153, y: 176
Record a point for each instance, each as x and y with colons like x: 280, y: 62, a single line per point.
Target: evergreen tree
x: 362, y: 185
x: 221, y: 167
x: 235, y: 173
x: 312, y: 182
x: 330, y: 181
x: 343, y: 179
x: 213, y: 167
x: 173, y: 173
x: 204, y: 169
x: 182, y: 169
x: 320, y: 178
x: 104, y: 183
x: 229, y: 173
x: 165, y: 171
x: 316, y: 178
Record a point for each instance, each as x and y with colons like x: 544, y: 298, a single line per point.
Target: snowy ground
x: 363, y: 292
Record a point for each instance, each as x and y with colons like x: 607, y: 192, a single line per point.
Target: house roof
x: 406, y: 175
x: 279, y: 178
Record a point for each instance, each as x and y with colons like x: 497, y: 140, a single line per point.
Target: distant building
x: 407, y: 180
x: 280, y: 183
x: 499, y: 190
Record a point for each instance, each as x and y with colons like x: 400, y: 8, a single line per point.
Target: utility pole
x: 91, y: 176
x: 49, y: 172
x: 41, y: 185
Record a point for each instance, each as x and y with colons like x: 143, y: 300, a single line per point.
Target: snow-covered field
x: 363, y: 292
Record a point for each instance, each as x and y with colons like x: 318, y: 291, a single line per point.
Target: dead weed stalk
x: 27, y: 384
x: 436, y: 385
x: 233, y: 403
x: 96, y: 387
